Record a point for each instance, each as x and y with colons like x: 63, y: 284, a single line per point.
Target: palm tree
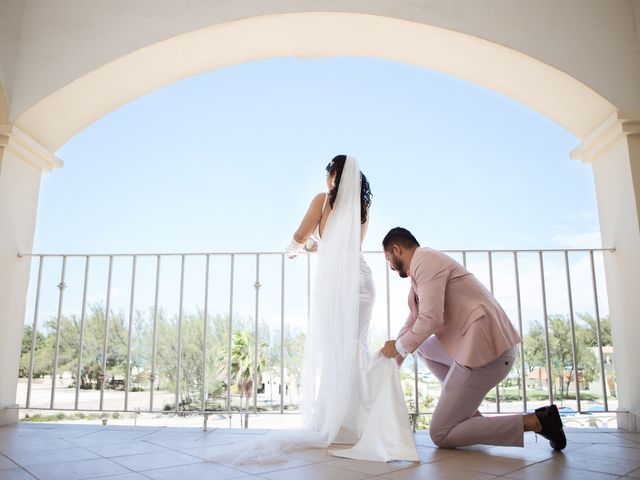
x: 242, y: 368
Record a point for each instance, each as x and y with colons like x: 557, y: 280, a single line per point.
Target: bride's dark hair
x: 336, y: 165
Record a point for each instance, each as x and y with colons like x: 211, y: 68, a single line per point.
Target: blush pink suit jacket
x: 447, y: 301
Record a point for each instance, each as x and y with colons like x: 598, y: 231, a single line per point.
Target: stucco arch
x: 59, y: 116
x: 67, y: 63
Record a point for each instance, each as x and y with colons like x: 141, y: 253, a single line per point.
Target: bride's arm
x: 309, y: 223
x: 310, y: 220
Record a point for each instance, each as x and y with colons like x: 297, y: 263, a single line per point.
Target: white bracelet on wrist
x: 293, y: 249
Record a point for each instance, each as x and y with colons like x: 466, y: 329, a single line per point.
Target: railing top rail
x: 200, y: 254
x: 153, y: 369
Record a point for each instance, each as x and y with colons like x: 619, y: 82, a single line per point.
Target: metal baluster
x: 464, y: 259
x: 154, y: 340
x: 179, y: 360
x: 546, y: 329
x: 134, y: 262
x: 521, y: 347
x: 492, y: 292
x: 257, y: 286
x: 415, y: 391
x: 282, y: 382
x: 388, y: 291
x: 82, y: 322
x: 105, y: 340
x: 574, y: 348
x: 61, y: 287
x: 490, y: 259
x: 230, y: 341
x: 34, y: 331
x: 603, y: 378
x: 204, y: 341
x: 308, y: 288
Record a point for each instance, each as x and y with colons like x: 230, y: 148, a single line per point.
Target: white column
x: 21, y: 162
x: 613, y: 149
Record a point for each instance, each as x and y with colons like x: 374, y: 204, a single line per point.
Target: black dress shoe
x: 551, y: 426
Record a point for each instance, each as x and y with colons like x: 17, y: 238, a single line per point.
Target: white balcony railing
x: 88, y: 325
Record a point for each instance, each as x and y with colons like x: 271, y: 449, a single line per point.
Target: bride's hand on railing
x: 293, y: 249
x: 311, y: 246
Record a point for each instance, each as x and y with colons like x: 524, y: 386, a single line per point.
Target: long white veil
x: 330, y: 345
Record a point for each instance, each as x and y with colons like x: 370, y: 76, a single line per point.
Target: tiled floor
x: 72, y: 452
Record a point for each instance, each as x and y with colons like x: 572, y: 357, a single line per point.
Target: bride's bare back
x: 316, y: 218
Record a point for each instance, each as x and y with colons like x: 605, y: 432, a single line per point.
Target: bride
x: 349, y: 395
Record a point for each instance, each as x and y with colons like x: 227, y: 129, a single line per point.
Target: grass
x: 514, y: 394
x: 59, y: 417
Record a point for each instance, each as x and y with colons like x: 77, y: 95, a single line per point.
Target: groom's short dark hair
x: 400, y: 236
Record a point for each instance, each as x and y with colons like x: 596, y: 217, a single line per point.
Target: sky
x: 229, y: 160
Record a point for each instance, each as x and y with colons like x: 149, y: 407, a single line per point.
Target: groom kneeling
x: 460, y: 331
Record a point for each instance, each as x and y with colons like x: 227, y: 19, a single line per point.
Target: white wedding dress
x: 350, y: 396
x: 376, y: 420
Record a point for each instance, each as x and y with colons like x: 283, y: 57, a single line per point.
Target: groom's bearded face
x: 397, y: 265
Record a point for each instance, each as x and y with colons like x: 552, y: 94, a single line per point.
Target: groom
x: 460, y: 331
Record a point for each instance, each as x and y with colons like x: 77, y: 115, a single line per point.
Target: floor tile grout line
x: 54, y: 463
x: 133, y: 439
x: 91, y: 433
x: 123, y: 466
x: 80, y: 461
x: 523, y: 468
x: 125, y: 455
x: 591, y: 471
x: 30, y: 472
x: 578, y: 451
x: 204, y: 434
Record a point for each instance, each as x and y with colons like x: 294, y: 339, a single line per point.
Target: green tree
x: 242, y: 363
x: 561, y: 351
x: 534, y: 349
x: 592, y: 330
x: 192, y: 348
x: 69, y: 346
x: 93, y: 344
x: 192, y: 367
x: 40, y: 367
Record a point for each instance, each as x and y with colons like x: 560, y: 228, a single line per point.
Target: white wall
x: 65, y: 39
x: 10, y: 26
x: 68, y: 38
x: 616, y: 170
x: 19, y: 186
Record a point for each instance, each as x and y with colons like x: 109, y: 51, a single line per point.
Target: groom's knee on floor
x: 439, y: 436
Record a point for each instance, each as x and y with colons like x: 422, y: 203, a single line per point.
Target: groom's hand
x: 389, y: 349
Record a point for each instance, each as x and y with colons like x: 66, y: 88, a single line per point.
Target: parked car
x: 595, y: 408
x: 565, y: 411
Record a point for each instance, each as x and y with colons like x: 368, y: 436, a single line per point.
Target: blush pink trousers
x: 453, y: 423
